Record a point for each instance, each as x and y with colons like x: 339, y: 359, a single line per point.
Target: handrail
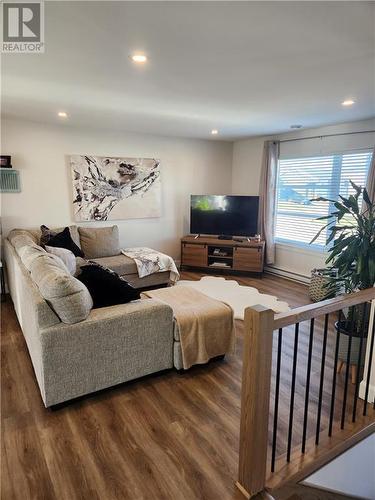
x: 260, y: 330
x: 328, y: 306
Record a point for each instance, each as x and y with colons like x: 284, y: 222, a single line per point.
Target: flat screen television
x: 224, y: 215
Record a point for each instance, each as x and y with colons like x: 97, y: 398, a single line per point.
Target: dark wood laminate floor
x: 164, y: 437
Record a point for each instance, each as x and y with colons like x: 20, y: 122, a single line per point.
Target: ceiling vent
x: 9, y: 181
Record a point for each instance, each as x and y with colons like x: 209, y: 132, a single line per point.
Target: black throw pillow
x: 64, y: 240
x: 106, y: 287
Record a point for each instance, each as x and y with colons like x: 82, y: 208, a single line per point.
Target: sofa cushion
x: 29, y: 253
x: 97, y: 242
x: 106, y: 287
x: 152, y: 280
x: 69, y: 298
x: 67, y: 256
x: 64, y: 240
x: 42, y: 236
x: 46, y: 234
x: 20, y: 238
x: 121, y: 264
x: 79, y: 263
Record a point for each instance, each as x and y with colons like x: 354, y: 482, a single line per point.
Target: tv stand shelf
x: 240, y: 256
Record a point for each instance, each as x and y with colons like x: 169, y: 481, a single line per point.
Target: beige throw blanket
x: 205, y: 325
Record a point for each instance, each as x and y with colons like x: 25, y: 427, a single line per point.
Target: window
x: 300, y: 179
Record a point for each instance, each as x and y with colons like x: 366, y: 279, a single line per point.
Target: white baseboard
x: 289, y: 275
x: 371, y: 391
x: 301, y: 278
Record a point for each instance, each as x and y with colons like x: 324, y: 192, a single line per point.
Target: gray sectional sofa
x: 76, y: 350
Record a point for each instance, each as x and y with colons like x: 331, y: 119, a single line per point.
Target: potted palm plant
x: 351, y: 248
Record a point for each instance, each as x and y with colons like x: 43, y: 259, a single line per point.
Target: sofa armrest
x: 133, y: 315
x: 112, y: 345
x: 135, y: 309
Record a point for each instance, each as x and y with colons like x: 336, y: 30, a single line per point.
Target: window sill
x: 305, y: 249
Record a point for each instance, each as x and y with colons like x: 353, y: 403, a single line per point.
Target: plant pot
x: 348, y: 330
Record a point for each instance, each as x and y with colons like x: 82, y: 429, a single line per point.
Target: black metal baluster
x: 277, y: 391
x: 291, y: 409
x: 362, y: 333
x: 347, y: 374
x: 307, y: 393
x: 334, y: 375
x: 369, y: 365
x: 322, y: 368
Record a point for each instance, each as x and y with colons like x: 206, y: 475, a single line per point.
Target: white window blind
x: 300, y: 179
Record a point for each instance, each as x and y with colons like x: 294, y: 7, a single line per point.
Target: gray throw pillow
x: 66, y: 256
x: 46, y: 234
x: 99, y: 241
x: 67, y: 296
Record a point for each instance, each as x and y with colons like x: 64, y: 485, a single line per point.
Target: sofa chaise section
x: 113, y: 345
x: 110, y: 346
x: 126, y: 267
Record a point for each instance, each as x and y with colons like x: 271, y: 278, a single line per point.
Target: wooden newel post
x: 255, y: 399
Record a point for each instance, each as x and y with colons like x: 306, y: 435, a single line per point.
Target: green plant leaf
x: 330, y: 216
x: 319, y: 233
x: 352, y: 237
x: 357, y: 188
x: 366, y: 198
x: 321, y: 198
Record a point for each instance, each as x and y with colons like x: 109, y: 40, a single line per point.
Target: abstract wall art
x: 114, y: 188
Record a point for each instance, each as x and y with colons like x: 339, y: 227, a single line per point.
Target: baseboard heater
x: 301, y: 278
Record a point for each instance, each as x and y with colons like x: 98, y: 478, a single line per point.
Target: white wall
x: 351, y: 473
x: 246, y: 167
x: 40, y: 153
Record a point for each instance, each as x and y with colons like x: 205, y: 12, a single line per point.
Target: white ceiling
x: 245, y: 68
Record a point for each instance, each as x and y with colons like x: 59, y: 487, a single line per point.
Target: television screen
x: 224, y: 215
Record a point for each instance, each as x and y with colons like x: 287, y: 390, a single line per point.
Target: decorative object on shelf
x: 113, y: 188
x: 318, y: 284
x: 220, y: 264
x: 5, y: 161
x: 9, y: 181
x: 218, y: 252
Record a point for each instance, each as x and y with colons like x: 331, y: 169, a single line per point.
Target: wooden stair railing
x: 255, y: 399
x: 256, y: 459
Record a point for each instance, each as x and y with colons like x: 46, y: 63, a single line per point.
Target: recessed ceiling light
x: 62, y: 114
x: 139, y: 58
x: 347, y: 102
x: 214, y: 131
x: 296, y: 126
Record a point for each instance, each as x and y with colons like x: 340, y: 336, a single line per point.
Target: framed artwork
x: 114, y: 188
x: 5, y: 161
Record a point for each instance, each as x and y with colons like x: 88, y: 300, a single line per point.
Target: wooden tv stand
x: 240, y: 256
